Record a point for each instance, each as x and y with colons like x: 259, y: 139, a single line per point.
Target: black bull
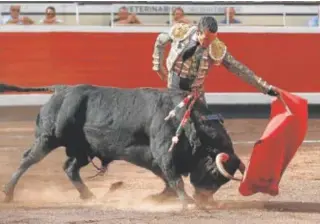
x: 128, y: 124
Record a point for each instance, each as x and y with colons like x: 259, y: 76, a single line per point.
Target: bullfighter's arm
x: 218, y: 52
x: 158, y: 52
x: 178, y: 32
x: 241, y: 70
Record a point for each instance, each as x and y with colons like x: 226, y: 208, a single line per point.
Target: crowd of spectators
x: 178, y: 16
x: 123, y: 17
x: 15, y: 17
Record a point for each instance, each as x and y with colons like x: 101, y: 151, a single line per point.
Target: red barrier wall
x: 289, y: 61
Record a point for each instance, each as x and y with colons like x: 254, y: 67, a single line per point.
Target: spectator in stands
x: 15, y: 17
x: 178, y: 16
x: 124, y: 17
x: 50, y: 18
x: 314, y: 21
x: 230, y: 11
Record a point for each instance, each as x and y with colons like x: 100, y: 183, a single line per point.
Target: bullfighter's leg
x: 40, y: 148
x: 72, y: 168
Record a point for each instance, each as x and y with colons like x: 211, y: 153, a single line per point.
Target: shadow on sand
x: 280, y: 206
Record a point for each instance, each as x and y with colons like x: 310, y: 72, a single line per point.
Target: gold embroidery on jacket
x: 180, y: 30
x: 201, y: 73
x: 217, y: 51
x: 245, y: 73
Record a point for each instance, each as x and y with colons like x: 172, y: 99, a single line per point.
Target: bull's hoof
x: 8, y: 194
x: 8, y: 198
x: 190, y: 200
x: 87, y: 196
x: 165, y: 195
x: 203, y: 198
x: 208, y: 203
x: 169, y: 196
x: 161, y: 198
x: 184, y: 206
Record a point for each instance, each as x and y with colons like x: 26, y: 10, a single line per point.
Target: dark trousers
x: 179, y: 83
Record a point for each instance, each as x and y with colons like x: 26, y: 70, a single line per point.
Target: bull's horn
x: 222, y: 158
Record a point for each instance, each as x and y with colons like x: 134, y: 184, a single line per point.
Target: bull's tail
x: 11, y: 88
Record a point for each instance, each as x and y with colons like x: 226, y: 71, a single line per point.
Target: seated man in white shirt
x: 15, y: 17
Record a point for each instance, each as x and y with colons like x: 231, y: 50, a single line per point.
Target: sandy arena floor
x: 44, y: 195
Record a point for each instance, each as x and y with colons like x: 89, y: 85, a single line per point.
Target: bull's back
x: 119, y: 118
x: 122, y: 108
x: 105, y: 108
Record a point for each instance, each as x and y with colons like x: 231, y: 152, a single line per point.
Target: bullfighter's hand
x: 273, y: 91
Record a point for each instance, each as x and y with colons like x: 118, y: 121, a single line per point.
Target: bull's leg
x: 40, y: 148
x: 167, y: 192
x: 175, y: 180
x: 160, y: 145
x: 72, y: 168
x: 177, y: 184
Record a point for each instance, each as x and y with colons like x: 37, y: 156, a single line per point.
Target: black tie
x: 189, y: 51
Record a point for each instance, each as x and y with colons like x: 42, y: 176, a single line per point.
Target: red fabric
x: 280, y: 141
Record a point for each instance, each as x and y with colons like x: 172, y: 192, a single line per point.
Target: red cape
x: 280, y: 141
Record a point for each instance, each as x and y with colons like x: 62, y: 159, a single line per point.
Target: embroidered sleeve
x: 217, y: 51
x: 158, y: 52
x: 241, y: 70
x: 179, y: 31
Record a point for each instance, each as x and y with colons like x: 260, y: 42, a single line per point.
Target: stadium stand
x: 94, y: 14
